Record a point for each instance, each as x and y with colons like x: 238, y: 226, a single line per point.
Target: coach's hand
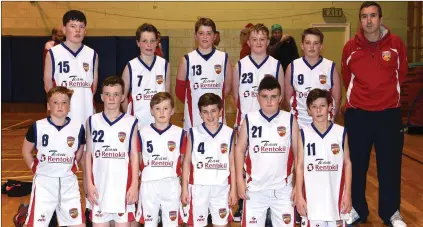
x: 184, y: 197
x: 241, y: 189
x: 301, y: 205
x: 132, y: 195
x: 92, y: 194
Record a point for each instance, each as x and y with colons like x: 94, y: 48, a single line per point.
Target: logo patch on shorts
x: 122, y: 136
x: 253, y: 220
x: 322, y: 79
x: 73, y: 213
x: 172, y: 215
x: 201, y: 218
x: 339, y: 223
x: 42, y: 218
x: 386, y: 55
x: 86, y: 66
x: 222, y: 212
x: 71, y: 141
x: 281, y: 131
x: 120, y: 214
x: 224, y: 148
x: 286, y: 218
x: 159, y: 79
x: 171, y: 145
x: 218, y: 68
x: 335, y: 148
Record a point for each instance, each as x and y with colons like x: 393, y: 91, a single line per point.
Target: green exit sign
x: 332, y: 12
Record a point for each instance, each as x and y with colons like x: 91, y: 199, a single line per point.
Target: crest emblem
x: 120, y: 214
x: 335, y: 148
x: 172, y: 215
x: 122, y: 136
x: 281, y: 131
x: 222, y: 212
x: 159, y: 79
x: 73, y: 212
x: 86, y: 66
x: 322, y: 79
x: 286, y: 218
x: 171, y: 145
x: 386, y: 55
x: 223, y: 148
x: 70, y: 141
x: 218, y: 68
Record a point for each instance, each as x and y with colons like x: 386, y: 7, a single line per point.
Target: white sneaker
x: 397, y: 221
x: 352, y: 217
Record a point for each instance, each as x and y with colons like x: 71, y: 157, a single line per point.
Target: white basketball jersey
x: 210, y: 155
x: 111, y: 167
x: 75, y: 71
x: 56, y: 148
x: 305, y: 78
x: 270, y: 159
x: 250, y: 76
x: 161, y: 152
x: 323, y: 171
x: 204, y: 75
x: 145, y: 82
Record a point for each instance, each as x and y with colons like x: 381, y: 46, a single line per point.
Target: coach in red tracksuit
x: 374, y: 64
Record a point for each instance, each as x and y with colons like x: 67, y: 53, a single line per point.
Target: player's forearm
x: 125, y: 105
x: 299, y: 180
x: 88, y: 168
x: 48, y: 84
x: 348, y: 177
x: 185, y: 173
x: 28, y: 159
x: 239, y: 165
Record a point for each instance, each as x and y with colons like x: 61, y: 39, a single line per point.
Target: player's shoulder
x: 160, y: 60
x: 227, y: 129
x: 338, y: 128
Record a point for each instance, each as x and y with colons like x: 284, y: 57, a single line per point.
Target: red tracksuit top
x: 373, y: 72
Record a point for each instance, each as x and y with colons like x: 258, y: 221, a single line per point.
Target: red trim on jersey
x: 223, y: 102
x: 189, y: 101
x: 54, y: 83
x: 74, y: 166
x: 142, y: 221
x: 244, y: 215
x: 191, y: 175
x: 239, y: 113
x: 289, y: 163
x: 294, y: 105
x: 131, y: 217
x: 31, y: 215
x: 183, y: 148
x: 341, y: 190
x: 190, y: 218
x: 249, y: 167
x: 179, y: 167
x: 180, y: 220
x: 35, y: 164
x: 308, y: 223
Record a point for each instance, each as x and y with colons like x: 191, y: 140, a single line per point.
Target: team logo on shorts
x: 253, y: 220
x: 64, y: 83
x: 386, y: 55
x: 256, y: 148
x: 86, y: 66
x: 339, y: 223
x: 120, y: 214
x: 310, y: 167
x: 286, y: 218
x: 99, y: 214
x: 71, y: 141
x: 172, y: 215
x: 199, y: 165
x: 218, y: 68
x: 201, y: 218
x: 281, y: 131
x: 97, y: 153
x: 122, y: 136
x: 73, y: 213
x: 138, y: 97
x: 223, y: 148
x: 171, y: 145
x: 222, y: 212
x: 335, y: 148
x: 159, y: 79
x: 43, y: 158
x: 322, y: 79
x: 42, y: 218
x: 195, y: 86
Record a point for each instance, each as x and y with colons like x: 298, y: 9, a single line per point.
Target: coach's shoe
x: 397, y: 221
x: 238, y: 215
x: 354, y: 218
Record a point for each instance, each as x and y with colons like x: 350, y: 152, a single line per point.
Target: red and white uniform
x: 205, y: 74
x: 145, y: 82
x: 111, y: 167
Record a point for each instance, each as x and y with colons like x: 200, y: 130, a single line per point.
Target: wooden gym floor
x: 16, y: 118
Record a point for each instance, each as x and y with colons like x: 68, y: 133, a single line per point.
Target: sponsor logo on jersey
x: 339, y: 223
x: 195, y: 86
x: 55, y: 157
x: 86, y: 66
x: 42, y: 218
x: 76, y: 81
x: 386, y: 55
x: 222, y: 212
x: 335, y: 148
x: 122, y: 136
x: 201, y: 218
x: 215, y: 164
x: 148, y: 94
x: 138, y: 96
x: 256, y: 148
x: 157, y: 161
x: 281, y: 131
x: 97, y: 153
x: 200, y: 165
x: 171, y: 145
x: 218, y: 68
x: 109, y: 152
x: 253, y: 220
x: 223, y: 148
x: 172, y: 215
x: 269, y: 147
x: 207, y: 83
x: 305, y: 93
x: 71, y: 141
x: 64, y: 83
x: 159, y: 79
x: 42, y: 158
x: 286, y: 218
x: 246, y: 93
x: 321, y: 165
x: 322, y: 79
x: 253, y: 93
x: 73, y: 213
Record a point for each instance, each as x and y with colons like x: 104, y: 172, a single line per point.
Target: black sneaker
x: 238, y: 215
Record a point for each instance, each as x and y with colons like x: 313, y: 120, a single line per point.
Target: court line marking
x: 8, y: 128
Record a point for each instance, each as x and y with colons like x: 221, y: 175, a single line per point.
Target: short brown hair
x: 160, y: 97
x: 146, y: 28
x: 112, y: 81
x: 258, y: 28
x: 210, y: 99
x: 312, y: 31
x: 60, y: 90
x: 318, y: 93
x: 204, y: 21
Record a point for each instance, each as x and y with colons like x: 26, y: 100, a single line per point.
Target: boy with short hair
x: 208, y: 179
x: 270, y: 135
x: 323, y: 192
x: 309, y: 72
x: 202, y: 71
x: 59, y: 142
x: 112, y: 159
x: 161, y: 146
